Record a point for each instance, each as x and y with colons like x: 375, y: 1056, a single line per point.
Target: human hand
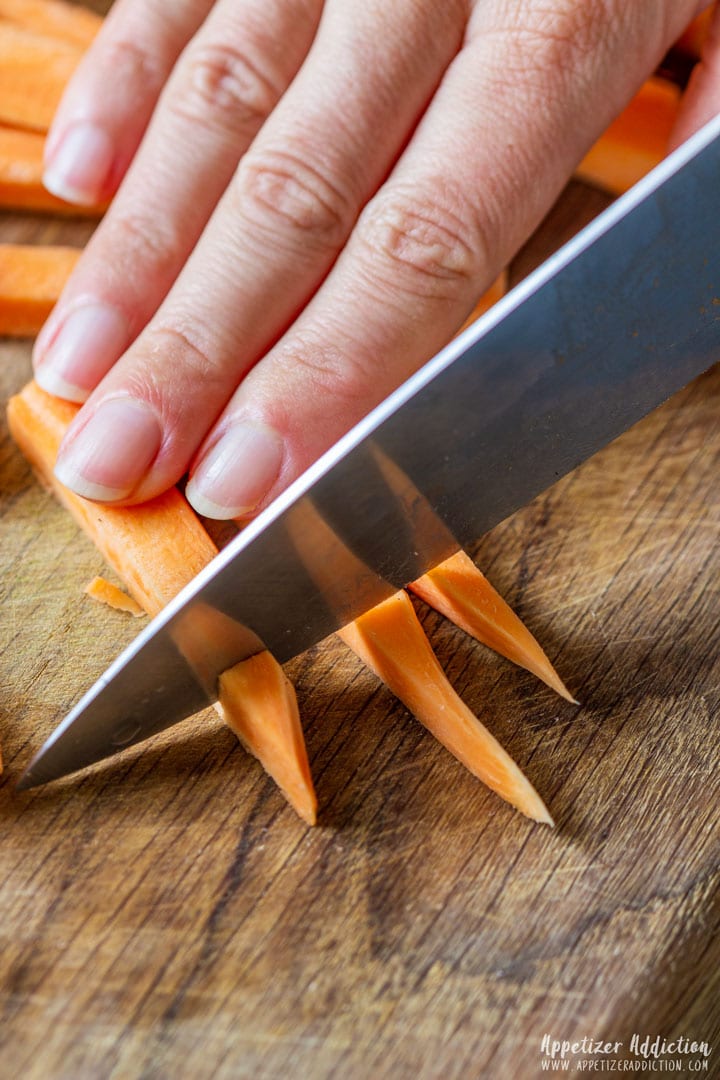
x: 323, y: 191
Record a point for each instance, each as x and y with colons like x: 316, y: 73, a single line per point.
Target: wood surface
x: 166, y: 914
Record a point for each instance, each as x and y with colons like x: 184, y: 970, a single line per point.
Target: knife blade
x: 609, y: 327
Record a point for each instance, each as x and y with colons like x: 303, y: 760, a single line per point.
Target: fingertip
x: 79, y: 164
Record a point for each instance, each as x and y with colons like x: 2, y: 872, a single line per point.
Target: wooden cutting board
x: 166, y: 915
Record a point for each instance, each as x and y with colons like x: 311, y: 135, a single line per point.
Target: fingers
x: 226, y: 83
x: 97, y: 130
x: 270, y: 243
x: 701, y: 100
x: 460, y: 201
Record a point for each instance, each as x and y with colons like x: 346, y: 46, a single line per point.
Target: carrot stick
x: 21, y: 169
x: 636, y: 141
x: 31, y: 280
x: 54, y: 18
x: 157, y: 548
x: 462, y: 593
x: 34, y: 70
x: 391, y: 641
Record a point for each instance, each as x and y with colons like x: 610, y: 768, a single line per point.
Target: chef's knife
x: 614, y: 323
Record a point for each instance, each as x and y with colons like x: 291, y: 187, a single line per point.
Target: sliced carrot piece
x: 31, y: 280
x: 391, y: 641
x: 260, y: 706
x: 636, y: 141
x: 21, y: 169
x: 157, y: 548
x: 462, y: 593
x: 104, y: 592
x: 54, y: 18
x: 34, y: 70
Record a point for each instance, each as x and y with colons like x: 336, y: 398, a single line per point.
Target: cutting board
x: 166, y: 914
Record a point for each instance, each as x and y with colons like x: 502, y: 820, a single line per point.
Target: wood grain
x: 166, y: 915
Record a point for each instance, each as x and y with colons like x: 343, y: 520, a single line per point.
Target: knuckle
x: 132, y: 64
x: 185, y: 348
x: 418, y: 244
x: 281, y: 189
x: 221, y: 84
x: 560, y: 36
x: 141, y: 239
x: 341, y: 376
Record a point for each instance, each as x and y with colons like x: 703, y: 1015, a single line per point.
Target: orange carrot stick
x: 463, y: 594
x: 391, y: 641
x: 157, y: 548
x: 34, y: 70
x: 636, y: 141
x: 31, y: 280
x: 260, y: 706
x: 54, y: 18
x: 21, y: 169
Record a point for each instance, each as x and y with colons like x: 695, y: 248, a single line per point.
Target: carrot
x: 251, y: 694
x: 54, y: 18
x: 21, y: 169
x: 636, y: 141
x: 157, y: 548
x: 462, y: 593
x: 391, y: 641
x: 31, y: 280
x: 104, y: 592
x: 34, y: 70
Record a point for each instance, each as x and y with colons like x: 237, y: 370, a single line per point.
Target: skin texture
x: 311, y: 197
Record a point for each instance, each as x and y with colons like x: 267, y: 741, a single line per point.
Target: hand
x: 314, y: 195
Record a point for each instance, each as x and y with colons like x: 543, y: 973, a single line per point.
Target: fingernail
x: 237, y: 473
x: 79, y: 165
x: 111, y: 453
x: 74, y: 360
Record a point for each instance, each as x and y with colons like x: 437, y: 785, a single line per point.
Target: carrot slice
x: 391, y: 641
x: 260, y: 706
x: 695, y: 35
x: 34, y: 70
x: 104, y: 592
x: 31, y: 280
x: 157, y: 548
x: 54, y: 18
x: 21, y: 169
x: 636, y: 141
x: 461, y: 592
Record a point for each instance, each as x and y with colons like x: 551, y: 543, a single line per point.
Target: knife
x: 609, y: 327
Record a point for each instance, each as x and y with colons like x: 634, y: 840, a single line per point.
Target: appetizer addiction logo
x: 643, y: 1053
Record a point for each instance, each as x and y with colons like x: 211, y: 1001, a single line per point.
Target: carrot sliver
x: 34, y: 70
x: 462, y: 593
x: 104, y: 592
x: 31, y: 280
x: 21, y: 169
x: 391, y: 641
x: 636, y: 141
x: 54, y: 18
x: 260, y: 706
x: 157, y: 548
